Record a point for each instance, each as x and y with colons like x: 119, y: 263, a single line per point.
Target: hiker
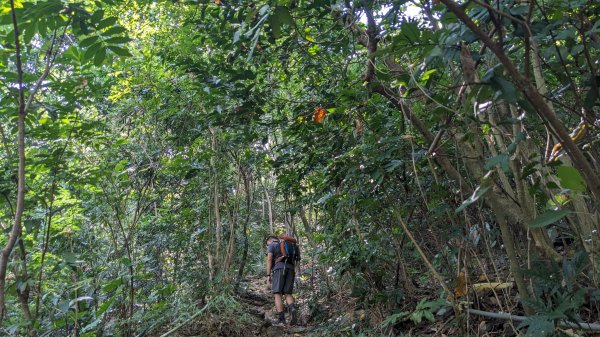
x: 282, y: 256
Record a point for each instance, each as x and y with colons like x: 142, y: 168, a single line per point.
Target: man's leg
x: 289, y: 298
x: 279, y: 302
x: 276, y: 290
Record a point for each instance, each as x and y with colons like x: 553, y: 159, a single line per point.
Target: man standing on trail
x: 282, y: 257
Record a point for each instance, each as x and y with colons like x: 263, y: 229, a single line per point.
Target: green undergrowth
x: 222, y: 315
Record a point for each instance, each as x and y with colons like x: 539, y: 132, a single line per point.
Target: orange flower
x: 319, y: 115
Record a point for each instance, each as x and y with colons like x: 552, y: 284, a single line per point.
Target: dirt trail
x: 258, y: 301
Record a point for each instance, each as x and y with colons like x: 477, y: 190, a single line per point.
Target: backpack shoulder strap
x: 282, y: 247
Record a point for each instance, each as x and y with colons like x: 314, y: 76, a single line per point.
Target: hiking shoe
x: 293, y: 315
x: 278, y: 322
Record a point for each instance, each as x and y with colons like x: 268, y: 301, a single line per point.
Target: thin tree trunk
x: 246, y: 176
x: 269, y: 207
x: 232, y: 218
x: 216, y: 201
x: 16, y: 230
x: 24, y: 294
x: 38, y: 289
x: 307, y: 227
x: 511, y: 251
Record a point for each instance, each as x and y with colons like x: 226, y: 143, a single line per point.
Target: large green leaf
x: 548, y: 218
x: 571, y: 178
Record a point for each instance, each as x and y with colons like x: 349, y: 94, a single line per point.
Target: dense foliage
x: 433, y: 157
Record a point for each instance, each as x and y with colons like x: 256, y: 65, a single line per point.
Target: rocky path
x: 258, y: 301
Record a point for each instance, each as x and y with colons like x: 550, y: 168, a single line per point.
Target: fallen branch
x: 501, y: 315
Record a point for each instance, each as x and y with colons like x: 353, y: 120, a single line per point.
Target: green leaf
x: 548, y: 218
x: 114, y: 31
x: 104, y: 306
x: 281, y: 16
x: 410, y: 31
x: 284, y: 15
x: 88, y: 41
x: 519, y: 10
x: 591, y: 99
x: 539, y: 326
x: 501, y: 159
x: 571, y: 178
x: 112, y: 285
x: 106, y: 23
x: 92, y: 50
x: 275, y: 27
x: 29, y: 32
x: 99, y: 57
x: 97, y: 16
x: 42, y: 28
x: 507, y: 89
x: 394, y: 319
x: 513, y: 146
x: 119, y: 50
x: 118, y: 40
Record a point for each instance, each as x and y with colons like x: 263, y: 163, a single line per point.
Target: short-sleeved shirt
x: 276, y: 250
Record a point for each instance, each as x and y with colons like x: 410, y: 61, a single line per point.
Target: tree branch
x: 537, y: 100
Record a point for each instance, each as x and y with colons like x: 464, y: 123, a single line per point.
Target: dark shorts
x: 283, y: 283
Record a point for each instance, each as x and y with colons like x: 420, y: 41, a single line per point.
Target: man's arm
x: 269, y: 264
x: 297, y: 262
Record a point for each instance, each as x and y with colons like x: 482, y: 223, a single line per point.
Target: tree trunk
x: 269, y: 207
x: 216, y: 201
x: 511, y: 251
x: 16, y: 230
x: 24, y: 294
x: 246, y: 176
